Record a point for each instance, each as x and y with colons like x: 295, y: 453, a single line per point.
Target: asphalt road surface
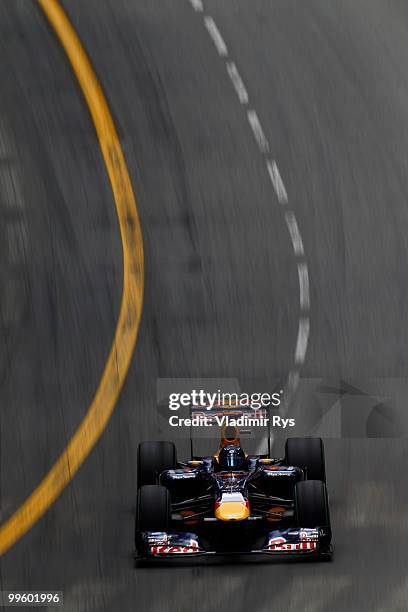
x: 329, y: 84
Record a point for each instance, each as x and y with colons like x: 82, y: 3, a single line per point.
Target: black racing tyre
x: 153, y: 509
x: 311, y: 504
x: 309, y: 453
x: 153, y: 458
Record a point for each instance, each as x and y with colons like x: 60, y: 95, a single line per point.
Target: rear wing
x: 214, y: 426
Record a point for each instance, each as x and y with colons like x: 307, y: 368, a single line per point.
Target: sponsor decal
x: 308, y: 536
x: 173, y: 550
x: 276, y: 471
x: 157, y: 537
x: 293, y: 546
x: 277, y: 540
x: 183, y: 474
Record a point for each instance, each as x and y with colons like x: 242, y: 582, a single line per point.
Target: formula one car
x: 231, y: 502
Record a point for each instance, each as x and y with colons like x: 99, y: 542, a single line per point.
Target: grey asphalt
x: 329, y: 82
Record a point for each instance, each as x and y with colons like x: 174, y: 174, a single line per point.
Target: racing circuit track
x: 229, y: 274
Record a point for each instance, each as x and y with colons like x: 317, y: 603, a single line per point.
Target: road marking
x: 127, y: 327
x: 260, y: 137
x: 197, y: 5
x: 293, y: 381
x: 277, y: 182
x: 216, y: 36
x: 281, y: 193
x: 294, y: 233
x: 302, y: 340
x: 237, y: 82
x: 304, y: 286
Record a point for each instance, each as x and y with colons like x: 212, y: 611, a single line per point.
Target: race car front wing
x: 301, y: 542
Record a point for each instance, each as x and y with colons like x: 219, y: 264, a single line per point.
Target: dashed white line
x: 237, y: 82
x: 197, y: 5
x: 281, y: 193
x: 293, y: 381
x: 302, y: 340
x: 277, y: 182
x: 294, y: 233
x: 216, y: 36
x: 304, y: 286
x: 256, y: 126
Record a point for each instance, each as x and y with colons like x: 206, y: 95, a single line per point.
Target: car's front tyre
x: 153, y: 510
x: 152, y: 459
x: 311, y: 504
x: 307, y: 453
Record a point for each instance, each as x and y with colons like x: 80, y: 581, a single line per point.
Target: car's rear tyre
x: 311, y: 504
x: 153, y: 458
x: 309, y: 453
x: 153, y: 510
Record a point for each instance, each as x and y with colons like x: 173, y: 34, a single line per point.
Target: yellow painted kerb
x: 124, y: 340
